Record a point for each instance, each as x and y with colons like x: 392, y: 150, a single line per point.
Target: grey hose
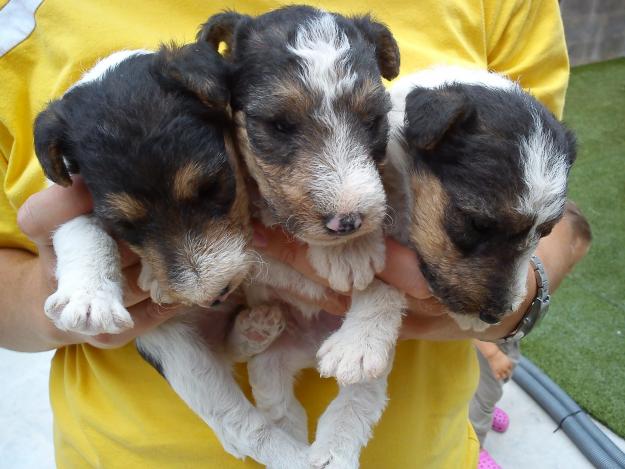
x: 582, y: 431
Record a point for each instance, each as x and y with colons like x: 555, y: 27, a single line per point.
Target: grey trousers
x: 489, y: 391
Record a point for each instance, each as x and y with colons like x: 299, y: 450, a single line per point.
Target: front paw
x: 351, y: 358
x: 352, y: 264
x: 89, y: 311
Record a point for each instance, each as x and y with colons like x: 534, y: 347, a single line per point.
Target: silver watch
x: 539, y: 307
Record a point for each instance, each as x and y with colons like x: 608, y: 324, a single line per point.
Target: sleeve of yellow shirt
x: 525, y: 40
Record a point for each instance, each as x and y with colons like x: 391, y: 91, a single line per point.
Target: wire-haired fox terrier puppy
x: 150, y: 134
x: 312, y: 127
x: 484, y: 168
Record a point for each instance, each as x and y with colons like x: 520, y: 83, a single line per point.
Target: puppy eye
x: 374, y: 124
x: 484, y: 227
x: 283, y: 126
x: 125, y: 225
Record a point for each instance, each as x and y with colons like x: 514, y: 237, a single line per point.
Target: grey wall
x: 595, y: 29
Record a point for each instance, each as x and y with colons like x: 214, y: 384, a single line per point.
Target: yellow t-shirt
x: 111, y: 409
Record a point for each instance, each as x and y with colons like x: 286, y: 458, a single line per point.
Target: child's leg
x: 488, y: 393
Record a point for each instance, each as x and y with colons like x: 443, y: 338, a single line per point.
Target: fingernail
x: 259, y: 239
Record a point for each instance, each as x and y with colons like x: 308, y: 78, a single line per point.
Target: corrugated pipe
x: 582, y: 431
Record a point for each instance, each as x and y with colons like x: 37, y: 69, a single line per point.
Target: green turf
x: 581, y: 344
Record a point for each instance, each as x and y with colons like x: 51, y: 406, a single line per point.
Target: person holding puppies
x: 111, y: 408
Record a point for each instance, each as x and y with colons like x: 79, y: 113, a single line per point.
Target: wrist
x: 40, y: 286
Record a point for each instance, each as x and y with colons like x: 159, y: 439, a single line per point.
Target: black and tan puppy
x: 310, y: 110
x: 485, y: 169
x: 150, y: 134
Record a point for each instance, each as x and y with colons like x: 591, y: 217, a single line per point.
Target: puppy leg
x: 361, y: 349
x: 353, y: 263
x: 89, y: 296
x: 345, y: 427
x: 272, y: 375
x: 254, y: 330
x: 205, y: 382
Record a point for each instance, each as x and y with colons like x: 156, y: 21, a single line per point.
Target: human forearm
x: 23, y: 325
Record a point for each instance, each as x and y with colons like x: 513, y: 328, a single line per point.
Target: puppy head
x: 310, y: 111
x: 490, y: 179
x: 149, y: 135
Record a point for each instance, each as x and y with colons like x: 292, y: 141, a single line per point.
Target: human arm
x: 499, y: 363
x: 427, y: 318
x: 29, y: 279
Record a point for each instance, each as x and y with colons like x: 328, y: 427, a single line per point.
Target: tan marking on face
x: 295, y: 99
x: 284, y: 188
x: 126, y: 206
x: 429, y: 236
x: 187, y: 181
x: 362, y: 94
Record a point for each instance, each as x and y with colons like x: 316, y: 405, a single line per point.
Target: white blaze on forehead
x: 324, y: 49
x: 545, y: 170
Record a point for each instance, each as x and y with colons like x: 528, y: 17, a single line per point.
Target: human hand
x: 38, y: 217
x: 500, y: 365
x: 427, y: 318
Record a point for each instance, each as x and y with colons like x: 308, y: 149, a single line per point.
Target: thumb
x: 403, y: 272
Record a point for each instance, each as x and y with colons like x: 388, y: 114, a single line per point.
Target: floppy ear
x: 220, y: 28
x: 196, y: 68
x: 430, y: 113
x: 386, y: 49
x: 51, y: 143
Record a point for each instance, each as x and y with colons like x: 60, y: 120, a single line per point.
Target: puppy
x: 311, y: 117
x: 149, y: 133
x: 484, y: 170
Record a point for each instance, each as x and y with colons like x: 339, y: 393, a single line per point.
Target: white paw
x: 89, y: 311
x: 352, y: 264
x: 351, y: 358
x: 324, y: 456
x: 467, y: 322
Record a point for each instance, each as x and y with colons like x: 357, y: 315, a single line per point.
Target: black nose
x: 344, y: 223
x: 490, y: 318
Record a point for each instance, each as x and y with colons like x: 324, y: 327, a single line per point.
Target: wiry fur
x: 484, y: 168
x: 311, y: 121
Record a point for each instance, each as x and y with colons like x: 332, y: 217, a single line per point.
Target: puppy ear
x: 220, y: 28
x: 430, y: 113
x: 386, y: 49
x: 196, y: 68
x: 51, y: 143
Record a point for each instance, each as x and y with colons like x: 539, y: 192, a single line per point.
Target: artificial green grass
x: 581, y: 343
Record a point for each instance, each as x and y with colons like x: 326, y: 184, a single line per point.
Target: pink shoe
x: 501, y: 421
x: 486, y: 461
